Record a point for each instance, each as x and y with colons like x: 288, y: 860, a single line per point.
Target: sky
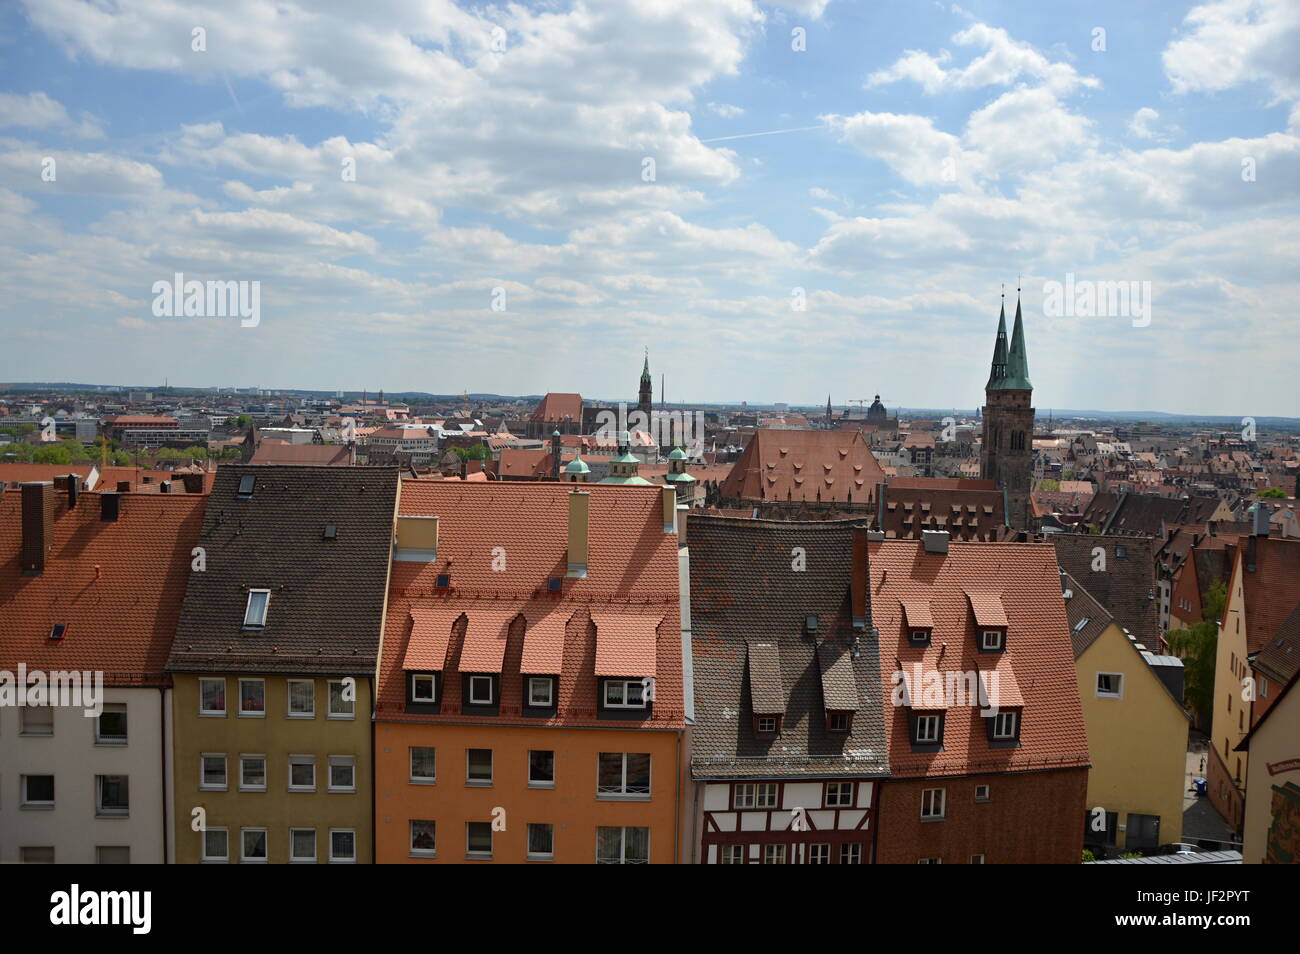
x: 778, y: 200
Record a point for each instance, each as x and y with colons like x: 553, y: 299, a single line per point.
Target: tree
x: 477, y: 452
x: 1048, y: 484
x: 1272, y: 493
x: 1198, y: 647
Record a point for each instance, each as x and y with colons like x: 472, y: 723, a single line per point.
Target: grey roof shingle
x: 327, y: 595
x: 745, y: 590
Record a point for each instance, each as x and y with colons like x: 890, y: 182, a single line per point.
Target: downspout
x: 162, y: 725
x: 677, y: 804
x: 875, y: 817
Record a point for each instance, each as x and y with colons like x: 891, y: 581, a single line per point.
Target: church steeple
x: 1018, y: 359
x: 999, y: 369
x: 646, y: 395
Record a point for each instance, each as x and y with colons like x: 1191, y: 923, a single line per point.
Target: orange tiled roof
x: 118, y: 586
x: 1039, y: 658
x: 804, y: 465
x: 625, y: 644
x: 557, y: 407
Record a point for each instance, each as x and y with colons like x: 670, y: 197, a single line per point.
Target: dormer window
x: 482, y: 690
x: 255, y: 609
x: 839, y: 722
x: 767, y: 724
x: 1006, y: 726
x: 424, y: 688
x: 992, y: 640
x: 624, y: 694
x: 920, y: 637
x: 929, y: 730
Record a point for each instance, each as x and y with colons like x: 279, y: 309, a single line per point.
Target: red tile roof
x: 625, y: 644
x: 632, y: 573
x: 804, y: 465
x: 557, y: 407
x: 534, y: 463
x: 117, y: 585
x: 1039, y: 658
x: 277, y: 452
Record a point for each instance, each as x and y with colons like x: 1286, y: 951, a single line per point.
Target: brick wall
x: 1030, y: 818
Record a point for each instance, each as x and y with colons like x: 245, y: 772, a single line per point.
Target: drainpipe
x: 162, y: 725
x: 677, y: 805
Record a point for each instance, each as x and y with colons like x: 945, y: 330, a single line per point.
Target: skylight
x: 246, y: 485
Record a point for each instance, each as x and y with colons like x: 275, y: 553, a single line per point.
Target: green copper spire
x: 1017, y: 377
x: 999, y: 369
x: 645, y: 370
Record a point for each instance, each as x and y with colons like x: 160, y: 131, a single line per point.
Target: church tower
x: 1007, y: 451
x: 647, y: 389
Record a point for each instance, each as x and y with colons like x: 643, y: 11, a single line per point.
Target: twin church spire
x: 1010, y: 370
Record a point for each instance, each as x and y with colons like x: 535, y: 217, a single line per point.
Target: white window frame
x: 422, y: 779
x: 288, y: 702
x: 1000, y: 734
x: 549, y: 682
x: 927, y: 738
x: 300, y: 859
x: 622, y: 845
x: 920, y: 635
x: 480, y: 855
x: 341, y: 760
x: 731, y: 855
x: 329, y: 700
x: 410, y: 839
x: 938, y: 804
x: 765, y: 719
x: 433, y: 687
x: 25, y: 801
x: 266, y: 843
x: 343, y: 859
x: 22, y: 722
x: 625, y: 684
x: 100, y: 810
x: 213, y: 713
x: 774, y: 854
x: 819, y: 853
x: 302, y: 760
x: 206, y: 858
x: 1119, y: 688
x: 474, y: 682
x: 112, y: 740
x: 997, y: 638
x: 243, y: 713
x: 481, y: 782
x: 851, y: 853
x: 623, y: 792
x: 243, y: 786
x: 837, y: 801
x: 539, y: 782
x: 204, y: 786
x: 252, y: 619
x: 987, y: 796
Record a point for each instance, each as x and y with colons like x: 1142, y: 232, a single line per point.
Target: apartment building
x: 788, y: 747
x: 1132, y: 703
x: 533, y: 689
x: 90, y: 590
x: 988, y: 754
x: 274, y: 662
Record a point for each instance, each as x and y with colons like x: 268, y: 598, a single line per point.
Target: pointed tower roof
x: 645, y: 369
x: 998, y: 371
x: 1017, y: 374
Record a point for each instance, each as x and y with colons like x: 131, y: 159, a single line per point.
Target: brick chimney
x: 38, y: 525
x: 579, y: 523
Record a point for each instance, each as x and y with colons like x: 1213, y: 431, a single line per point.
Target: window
x: 541, y: 691
x: 343, y: 773
x: 478, y: 839
x: 480, y: 690
x: 623, y: 846
x: 1121, y: 552
x: 1110, y: 685
x: 851, y: 854
x: 252, y: 698
x: 1005, y: 725
x: 765, y: 724
x: 977, y: 859
x: 774, y: 854
x: 252, y: 773
x: 756, y: 795
x: 255, y: 609
x: 112, y: 796
x: 422, y: 764
x: 920, y: 635
x: 36, y: 720
x: 302, y: 698
x: 216, y: 845
x: 541, y: 842
x: 932, y: 800
x: 732, y: 855
x: 929, y: 861
x: 212, y: 697
x: 819, y: 854
x: 838, y: 722
x: 246, y: 485
x: 424, y: 687
x: 424, y: 841
x: 36, y: 856
x: 38, y: 791
x: 302, y: 845
x: 541, y: 768
x: 927, y: 730
x: 343, y: 703
x: 981, y: 793
x: 839, y: 794
x: 478, y: 770
x: 623, y: 774
x: 991, y: 639
x: 1143, y: 831
x: 624, y: 694
x: 254, y: 845
x: 110, y: 727
x: 343, y: 846
x: 212, y: 773
x: 112, y: 855
x: 302, y: 773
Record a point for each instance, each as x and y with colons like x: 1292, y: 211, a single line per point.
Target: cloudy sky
x: 664, y: 174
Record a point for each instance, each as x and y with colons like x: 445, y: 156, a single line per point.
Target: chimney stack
x: 72, y: 484
x: 935, y: 541
x: 38, y: 525
x: 579, y: 526
x: 110, y: 506
x: 193, y: 483
x: 668, y: 503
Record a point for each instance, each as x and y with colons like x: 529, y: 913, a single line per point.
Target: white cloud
x: 1140, y: 124
x: 1230, y: 42
x: 39, y: 111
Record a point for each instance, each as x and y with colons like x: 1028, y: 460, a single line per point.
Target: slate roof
x: 746, y: 595
x: 327, y: 595
x: 913, y: 505
x: 804, y: 465
x: 1146, y: 513
x: 1280, y: 657
x: 1088, y: 619
x: 1038, y: 650
x: 279, y: 452
x: 630, y: 593
x: 1126, y: 588
x: 117, y: 585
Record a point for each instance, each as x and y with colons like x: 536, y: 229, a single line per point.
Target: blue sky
x: 937, y: 151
